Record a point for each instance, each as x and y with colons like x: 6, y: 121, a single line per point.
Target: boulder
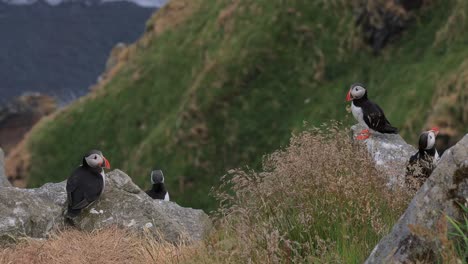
x: 3, y: 178
x: 390, y: 154
x: 439, y: 196
x: 382, y: 21
x: 38, y: 212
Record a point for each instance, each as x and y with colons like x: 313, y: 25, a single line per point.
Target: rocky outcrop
x: 382, y: 20
x: 38, y: 212
x: 447, y: 186
x: 390, y: 154
x: 3, y: 179
x: 20, y: 115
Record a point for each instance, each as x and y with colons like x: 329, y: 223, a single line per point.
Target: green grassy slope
x: 232, y: 81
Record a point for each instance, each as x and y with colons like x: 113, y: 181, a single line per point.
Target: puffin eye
x: 95, y: 157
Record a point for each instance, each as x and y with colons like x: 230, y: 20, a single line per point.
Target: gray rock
x: 31, y: 212
x: 447, y: 186
x: 3, y: 178
x: 126, y: 205
x: 37, y: 212
x: 390, y: 154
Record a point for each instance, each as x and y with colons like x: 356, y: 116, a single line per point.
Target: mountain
x: 213, y: 86
x: 60, y: 50
x: 142, y: 3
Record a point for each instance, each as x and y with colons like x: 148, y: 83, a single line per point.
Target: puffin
x: 423, y: 162
x: 158, y: 191
x: 86, y: 184
x: 368, y: 113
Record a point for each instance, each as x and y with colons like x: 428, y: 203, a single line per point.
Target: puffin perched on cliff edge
x: 368, y: 113
x: 158, y: 191
x: 87, y: 182
x: 423, y: 162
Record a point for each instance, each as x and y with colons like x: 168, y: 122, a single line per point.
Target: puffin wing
x: 76, y: 199
x: 81, y: 204
x: 72, y: 185
x: 376, y: 120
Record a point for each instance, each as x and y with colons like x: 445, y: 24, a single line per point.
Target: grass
x: 319, y: 200
x: 221, y: 83
x: 460, y: 235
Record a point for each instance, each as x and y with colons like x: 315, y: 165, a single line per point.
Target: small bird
x: 158, y: 191
x: 368, y: 113
x: 423, y: 162
x: 87, y: 182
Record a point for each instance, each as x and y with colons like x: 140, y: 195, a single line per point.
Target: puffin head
x: 95, y: 159
x: 357, y: 91
x: 427, y: 139
x: 157, y: 176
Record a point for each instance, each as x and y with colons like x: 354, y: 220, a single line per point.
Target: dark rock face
x: 38, y: 212
x: 382, y: 20
x: 20, y: 115
x: 439, y: 196
x: 61, y: 50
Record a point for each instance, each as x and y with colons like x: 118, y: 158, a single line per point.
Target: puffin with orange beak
x: 368, y: 113
x: 423, y: 162
x: 87, y: 182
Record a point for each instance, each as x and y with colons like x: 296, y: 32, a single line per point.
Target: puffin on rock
x: 423, y: 162
x: 368, y: 113
x: 158, y: 191
x: 87, y: 182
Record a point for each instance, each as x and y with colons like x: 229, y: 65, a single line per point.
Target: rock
x: 390, y: 153
x: 20, y: 115
x: 381, y: 21
x: 126, y: 205
x: 3, y: 179
x: 31, y: 212
x: 447, y: 186
x: 38, y: 212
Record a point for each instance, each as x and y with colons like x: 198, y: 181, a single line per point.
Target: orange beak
x: 348, y: 96
x: 105, y: 163
x: 436, y: 130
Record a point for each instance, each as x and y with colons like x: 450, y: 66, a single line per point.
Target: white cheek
x: 430, y: 142
x: 93, y: 162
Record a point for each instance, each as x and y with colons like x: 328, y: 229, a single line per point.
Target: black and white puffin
x: 158, y: 191
x: 86, y: 184
x: 368, y: 113
x: 423, y: 162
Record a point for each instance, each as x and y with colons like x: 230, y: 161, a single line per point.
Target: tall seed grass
x: 318, y: 200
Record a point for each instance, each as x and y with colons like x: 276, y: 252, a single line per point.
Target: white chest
x: 103, y: 175
x: 358, y: 114
x: 436, y: 157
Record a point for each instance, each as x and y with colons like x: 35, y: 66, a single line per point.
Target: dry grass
x: 111, y: 245
x: 318, y: 200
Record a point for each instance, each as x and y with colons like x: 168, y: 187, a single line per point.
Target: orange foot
x: 363, y: 135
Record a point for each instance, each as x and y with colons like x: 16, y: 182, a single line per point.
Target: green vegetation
x: 226, y: 82
x: 306, y: 207
x: 460, y: 234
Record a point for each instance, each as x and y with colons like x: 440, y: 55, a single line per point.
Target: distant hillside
x: 61, y: 50
x: 214, y: 85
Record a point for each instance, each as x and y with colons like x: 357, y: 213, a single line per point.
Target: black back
x: 158, y: 191
x: 84, y: 187
x: 374, y: 116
